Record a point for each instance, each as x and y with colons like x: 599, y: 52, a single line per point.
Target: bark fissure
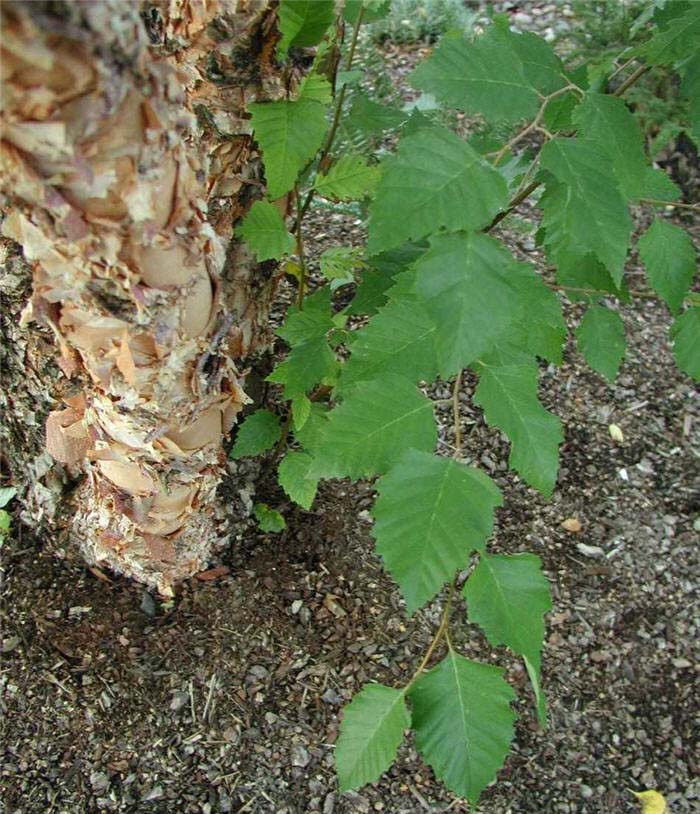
x: 125, y: 208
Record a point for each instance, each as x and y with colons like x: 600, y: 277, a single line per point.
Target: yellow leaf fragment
x: 616, y: 433
x: 652, y: 802
x: 572, y: 525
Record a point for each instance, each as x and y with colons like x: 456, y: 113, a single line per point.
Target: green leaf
x: 376, y: 422
x: 264, y: 230
x: 399, y: 339
x: 463, y: 722
x: 497, y: 74
x: 290, y: 134
x: 508, y: 396
x: 606, y: 121
x: 369, y: 118
x: 351, y: 178
x: 310, y: 432
x: 370, y: 735
x: 303, y: 23
x: 293, y: 477
x: 659, y: 186
x: 434, y: 181
x: 258, y: 432
x: 7, y: 493
x: 540, y: 328
x: 470, y: 286
x: 5, y: 520
x: 430, y: 515
x: 686, y: 342
x: 306, y: 365
x: 668, y: 255
x: 301, y: 410
x: 584, y: 212
x: 269, y: 520
x: 585, y: 272
x: 374, y: 10
x: 601, y: 339
x: 508, y: 596
x: 341, y: 262
x: 677, y: 41
x: 690, y: 88
x: 313, y: 322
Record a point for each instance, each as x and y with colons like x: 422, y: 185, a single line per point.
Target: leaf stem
x: 441, y: 631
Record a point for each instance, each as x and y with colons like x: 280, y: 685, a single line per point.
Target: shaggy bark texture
x: 126, y: 162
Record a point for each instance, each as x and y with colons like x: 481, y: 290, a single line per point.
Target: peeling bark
x: 124, y: 169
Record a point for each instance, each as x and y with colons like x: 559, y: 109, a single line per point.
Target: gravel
x: 228, y: 699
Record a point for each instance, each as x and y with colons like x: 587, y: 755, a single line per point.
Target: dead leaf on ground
x: 572, y: 524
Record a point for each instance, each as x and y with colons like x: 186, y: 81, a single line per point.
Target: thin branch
x: 300, y: 255
x: 635, y: 294
x: 656, y: 202
x: 534, y: 124
x: 441, y: 631
x: 328, y: 144
x: 631, y: 79
x: 530, y: 188
x: 455, y: 415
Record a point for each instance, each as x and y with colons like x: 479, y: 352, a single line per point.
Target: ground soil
x: 228, y: 699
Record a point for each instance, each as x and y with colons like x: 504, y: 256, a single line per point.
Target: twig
x: 530, y: 188
x: 300, y: 255
x: 640, y: 295
x: 326, y: 149
x: 656, y: 202
x: 631, y: 79
x: 444, y: 621
x: 455, y: 414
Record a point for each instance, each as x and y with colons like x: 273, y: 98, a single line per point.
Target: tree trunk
x: 126, y: 162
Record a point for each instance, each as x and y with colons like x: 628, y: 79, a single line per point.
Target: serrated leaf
x: 486, y: 75
x: 257, y: 433
x: 374, y: 10
x: 463, y: 722
x: 301, y: 410
x: 376, y: 422
x: 341, y: 262
x: 585, y: 272
x: 659, y: 186
x: 584, y: 212
x: 293, y: 477
x: 668, y: 255
x: 434, y: 181
x: 351, y: 178
x: 370, y: 735
x: 312, y: 322
x: 431, y: 513
x: 290, y: 134
x: 370, y: 118
x: 469, y: 284
x: 606, y: 121
x: 264, y: 230
x: 601, y: 339
x: 508, y: 596
x: 399, y: 339
x: 7, y: 493
x: 303, y: 23
x: 508, y: 396
x: 690, y: 88
x: 310, y: 432
x: 269, y: 520
x: 685, y: 333
x: 540, y: 328
x: 677, y: 41
x: 306, y: 365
